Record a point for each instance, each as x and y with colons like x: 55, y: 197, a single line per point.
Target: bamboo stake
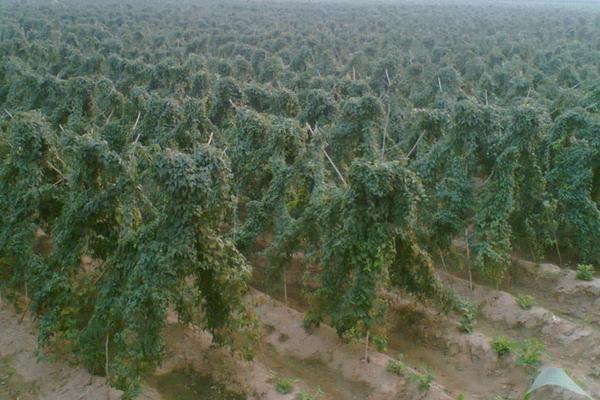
x: 8, y: 113
x: 389, y: 82
x: 415, y: 145
x: 468, y: 259
x: 440, y: 84
x: 210, y: 138
x: 106, y: 356
x: 26, y: 304
x: 137, y: 120
x: 312, y: 132
x: 385, y: 129
x: 335, y: 168
x: 443, y: 261
x: 109, y: 116
x: 135, y: 126
x: 557, y: 249
x: 55, y: 169
x: 366, y: 359
x: 488, y: 178
x: 285, y: 296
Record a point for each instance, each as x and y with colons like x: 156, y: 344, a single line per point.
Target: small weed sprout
x: 380, y: 343
x: 531, y: 352
x: 526, y: 301
x: 423, y: 378
x: 467, y: 319
x: 305, y: 395
x: 502, y: 345
x: 284, y: 385
x: 395, y: 366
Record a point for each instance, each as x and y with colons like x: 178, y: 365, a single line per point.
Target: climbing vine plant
x: 144, y: 168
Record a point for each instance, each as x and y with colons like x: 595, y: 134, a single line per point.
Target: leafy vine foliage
x: 133, y: 213
x: 150, y: 151
x: 369, y: 244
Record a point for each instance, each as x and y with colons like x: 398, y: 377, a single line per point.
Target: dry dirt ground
x: 564, y: 317
x: 316, y: 362
x: 24, y: 377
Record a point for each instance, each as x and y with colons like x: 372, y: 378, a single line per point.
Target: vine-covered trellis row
x: 158, y: 143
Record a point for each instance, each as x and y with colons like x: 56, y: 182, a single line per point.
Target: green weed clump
x: 284, y: 385
x: 380, y: 343
x: 502, y: 345
x: 467, y: 318
x: 531, y: 352
x: 585, y: 272
x: 396, y: 366
x: 526, y: 301
x: 305, y: 395
x: 423, y: 378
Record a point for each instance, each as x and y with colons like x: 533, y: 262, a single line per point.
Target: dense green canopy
x: 150, y: 145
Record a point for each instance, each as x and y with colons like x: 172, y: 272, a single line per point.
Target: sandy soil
x: 24, y: 377
x: 316, y: 361
x: 564, y: 318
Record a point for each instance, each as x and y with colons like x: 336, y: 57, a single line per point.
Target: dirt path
x: 564, y: 320
x: 563, y: 315
x: 24, y: 377
x: 318, y: 361
x: 463, y: 363
x: 314, y: 362
x: 568, y: 344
